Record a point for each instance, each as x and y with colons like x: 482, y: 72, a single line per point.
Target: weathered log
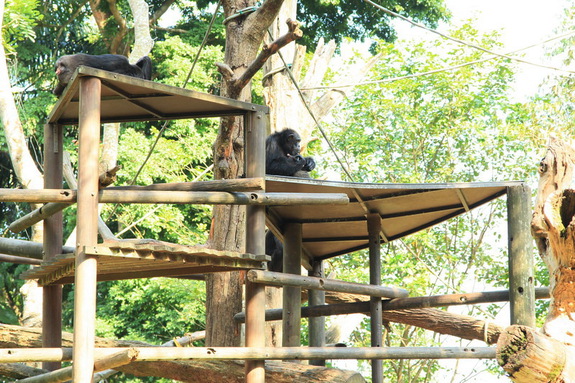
x: 19, y: 371
x: 529, y: 356
x: 188, y: 371
x: 62, y: 375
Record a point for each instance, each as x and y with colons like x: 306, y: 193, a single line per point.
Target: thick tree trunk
x: 549, y: 357
x: 185, y: 371
x: 244, y: 35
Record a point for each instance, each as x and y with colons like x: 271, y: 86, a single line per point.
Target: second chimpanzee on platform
x: 283, y: 158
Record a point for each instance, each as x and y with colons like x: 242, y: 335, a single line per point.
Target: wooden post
x: 521, y: 268
x: 255, y: 133
x: 374, y: 228
x: 292, y: 295
x: 317, y: 324
x: 53, y: 239
x: 87, y: 232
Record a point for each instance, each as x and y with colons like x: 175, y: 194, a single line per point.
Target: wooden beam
x: 87, y: 230
x: 53, y: 240
x: 117, y: 359
x: 27, y: 249
x: 254, y: 132
x: 232, y: 185
x: 258, y: 353
x: 521, y: 263
x: 271, y: 278
x: 291, y: 318
x: 110, y: 195
x: 375, y: 307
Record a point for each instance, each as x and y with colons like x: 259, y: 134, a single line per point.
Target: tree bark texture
x: 244, y: 35
x: 549, y: 356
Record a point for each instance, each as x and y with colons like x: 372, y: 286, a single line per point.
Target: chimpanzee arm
x: 145, y: 64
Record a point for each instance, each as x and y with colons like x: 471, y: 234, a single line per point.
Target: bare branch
x: 293, y: 34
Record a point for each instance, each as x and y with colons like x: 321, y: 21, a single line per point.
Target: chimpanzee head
x: 290, y: 141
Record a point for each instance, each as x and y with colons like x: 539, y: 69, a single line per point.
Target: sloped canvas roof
x: 329, y: 231
x: 126, y: 98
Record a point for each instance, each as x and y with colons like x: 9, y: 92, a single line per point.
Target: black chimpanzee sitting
x: 283, y: 158
x: 67, y: 65
x: 282, y: 155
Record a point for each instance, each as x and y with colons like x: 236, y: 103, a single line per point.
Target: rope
x: 165, y: 125
x: 464, y: 42
x: 392, y: 79
x: 304, y: 101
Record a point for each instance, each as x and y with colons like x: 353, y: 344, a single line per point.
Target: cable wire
x: 465, y: 42
x: 420, y: 74
x: 305, y: 103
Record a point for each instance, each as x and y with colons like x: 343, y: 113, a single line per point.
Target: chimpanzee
x: 67, y: 65
x: 275, y: 249
x: 283, y: 158
x: 282, y: 155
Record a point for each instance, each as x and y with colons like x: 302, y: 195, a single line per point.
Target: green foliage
x: 20, y: 18
x: 359, y: 20
x: 450, y: 126
x: 155, y: 310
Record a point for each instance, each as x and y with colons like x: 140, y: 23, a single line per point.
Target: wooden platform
x: 129, y: 259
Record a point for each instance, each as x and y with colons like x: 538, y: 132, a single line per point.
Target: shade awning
x: 328, y: 231
x: 126, y: 98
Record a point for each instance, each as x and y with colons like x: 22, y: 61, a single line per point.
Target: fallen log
x: 210, y: 371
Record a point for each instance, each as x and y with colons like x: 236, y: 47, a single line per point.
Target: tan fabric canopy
x: 329, y: 231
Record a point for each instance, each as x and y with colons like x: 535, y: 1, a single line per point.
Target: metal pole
x: 292, y: 295
x: 53, y: 239
x: 87, y: 233
x: 521, y: 264
x: 255, y: 124
x: 375, y: 309
x: 317, y: 324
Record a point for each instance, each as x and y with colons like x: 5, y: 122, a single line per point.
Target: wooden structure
x: 359, y: 216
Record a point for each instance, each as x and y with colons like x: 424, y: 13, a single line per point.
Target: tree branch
x: 293, y: 34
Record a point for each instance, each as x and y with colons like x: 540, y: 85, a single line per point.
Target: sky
x: 520, y: 22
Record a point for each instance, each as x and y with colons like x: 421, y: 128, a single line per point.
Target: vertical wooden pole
x: 374, y: 228
x: 291, y: 316
x: 521, y: 264
x: 87, y: 232
x: 317, y: 324
x: 255, y: 132
x: 53, y: 239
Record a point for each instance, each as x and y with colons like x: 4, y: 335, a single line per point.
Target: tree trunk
x: 244, y: 35
x: 28, y: 174
x: 526, y: 355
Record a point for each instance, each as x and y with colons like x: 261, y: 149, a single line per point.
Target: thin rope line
x: 165, y: 125
x: 421, y: 74
x: 464, y: 42
x: 294, y: 81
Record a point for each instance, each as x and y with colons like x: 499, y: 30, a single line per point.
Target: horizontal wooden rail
x: 399, y: 304
x: 271, y: 278
x: 28, y: 249
x: 232, y: 185
x: 17, y: 355
x: 177, y: 197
